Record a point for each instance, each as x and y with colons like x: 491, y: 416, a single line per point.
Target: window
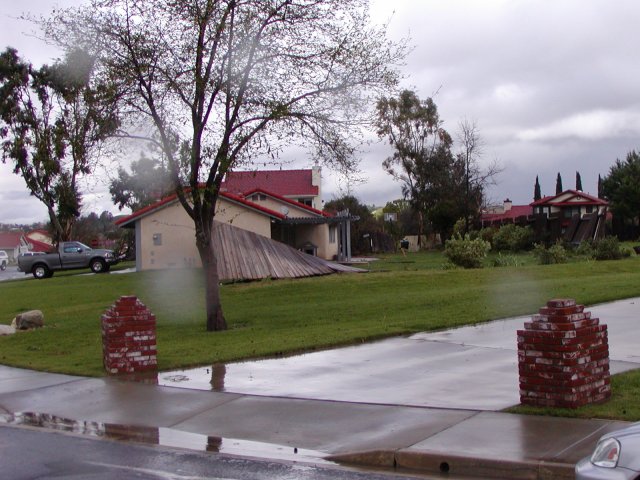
x: 71, y: 248
x: 569, y: 212
x: 157, y: 239
x: 306, y: 201
x: 332, y: 234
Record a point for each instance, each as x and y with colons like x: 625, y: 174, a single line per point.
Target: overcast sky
x: 551, y: 85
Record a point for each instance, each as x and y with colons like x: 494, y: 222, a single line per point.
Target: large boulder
x: 30, y: 319
x: 7, y: 330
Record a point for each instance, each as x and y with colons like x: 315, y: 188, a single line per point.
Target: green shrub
x: 554, y: 254
x: 466, y: 252
x: 512, y: 238
x: 506, y: 261
x: 608, y: 248
x: 585, y: 249
x: 449, y: 266
x: 487, y: 234
x: 458, y: 228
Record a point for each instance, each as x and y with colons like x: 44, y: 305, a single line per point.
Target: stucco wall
x: 318, y: 235
x: 166, y: 238
x: 281, y: 207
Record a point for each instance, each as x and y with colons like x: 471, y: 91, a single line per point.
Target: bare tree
x: 224, y: 81
x: 475, y: 178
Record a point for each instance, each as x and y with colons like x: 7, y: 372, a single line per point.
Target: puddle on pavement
x: 166, y: 437
x: 201, y: 378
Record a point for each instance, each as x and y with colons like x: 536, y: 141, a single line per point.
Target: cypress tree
x: 559, y: 184
x: 600, y: 192
x: 536, y: 191
x: 578, y: 182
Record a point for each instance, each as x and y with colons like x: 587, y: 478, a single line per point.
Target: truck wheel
x: 41, y: 271
x: 98, y: 266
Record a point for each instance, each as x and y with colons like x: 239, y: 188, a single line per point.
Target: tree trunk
x: 215, y: 317
x: 420, y: 229
x: 58, y: 231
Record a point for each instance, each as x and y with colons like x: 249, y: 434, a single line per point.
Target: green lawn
x: 400, y: 295
x: 623, y: 404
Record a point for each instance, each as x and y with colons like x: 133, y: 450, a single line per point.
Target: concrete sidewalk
x: 457, y: 440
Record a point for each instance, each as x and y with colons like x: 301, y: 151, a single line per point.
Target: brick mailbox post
x: 563, y: 357
x: 129, y: 338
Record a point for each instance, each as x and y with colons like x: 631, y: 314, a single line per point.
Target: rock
x: 7, y: 330
x: 30, y: 319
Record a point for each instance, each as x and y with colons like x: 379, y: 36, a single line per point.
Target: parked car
x: 4, y: 260
x: 70, y: 255
x: 616, y: 456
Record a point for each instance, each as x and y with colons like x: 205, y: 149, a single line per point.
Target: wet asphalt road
x: 12, y: 273
x: 28, y: 454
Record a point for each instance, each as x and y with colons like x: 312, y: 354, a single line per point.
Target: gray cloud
x: 552, y: 85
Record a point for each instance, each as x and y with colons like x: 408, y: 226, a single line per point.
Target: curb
x: 439, y: 463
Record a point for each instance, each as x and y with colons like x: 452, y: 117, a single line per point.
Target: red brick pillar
x: 563, y: 357
x: 129, y: 337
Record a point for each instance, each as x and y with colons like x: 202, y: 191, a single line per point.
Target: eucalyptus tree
x: 413, y: 128
x: 53, y: 121
x: 225, y: 81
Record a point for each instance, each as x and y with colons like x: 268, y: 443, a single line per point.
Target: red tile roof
x: 587, y: 200
x: 10, y: 239
x: 287, y: 200
x: 174, y: 198
x: 286, y: 183
x: 229, y: 196
x: 515, y: 212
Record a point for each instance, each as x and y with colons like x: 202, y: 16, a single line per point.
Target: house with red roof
x: 565, y: 206
x: 13, y: 243
x: 303, y: 186
x: 165, y: 235
x: 573, y: 216
x: 568, y: 204
x: 506, y: 213
x: 16, y: 242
